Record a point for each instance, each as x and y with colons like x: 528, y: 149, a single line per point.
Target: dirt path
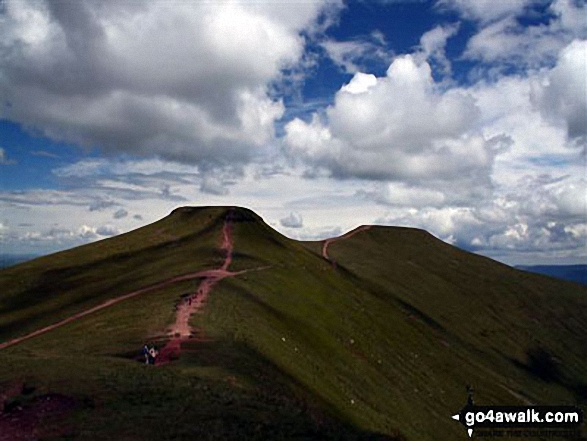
x: 327, y: 242
x: 180, y: 329
x: 96, y: 308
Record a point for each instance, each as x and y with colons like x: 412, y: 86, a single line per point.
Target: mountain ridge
x: 378, y: 339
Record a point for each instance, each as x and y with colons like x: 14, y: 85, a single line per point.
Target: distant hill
x: 7, y: 260
x: 372, y: 336
x: 574, y: 273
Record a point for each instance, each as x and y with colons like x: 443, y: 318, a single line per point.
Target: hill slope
x: 287, y: 344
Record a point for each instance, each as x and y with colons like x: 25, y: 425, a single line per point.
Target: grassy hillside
x: 378, y: 346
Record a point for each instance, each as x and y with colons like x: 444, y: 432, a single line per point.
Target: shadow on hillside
x: 542, y: 364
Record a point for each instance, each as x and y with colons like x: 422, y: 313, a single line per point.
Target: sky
x: 467, y: 118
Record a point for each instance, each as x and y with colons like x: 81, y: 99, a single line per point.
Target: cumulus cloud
x: 293, y: 220
x: 371, y: 133
x: 522, y: 224
x: 119, y: 214
x: 107, y: 230
x: 491, y: 167
x: 508, y: 42
x: 185, y: 80
x: 564, y: 96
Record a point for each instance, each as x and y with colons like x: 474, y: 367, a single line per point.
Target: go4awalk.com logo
x: 520, y: 421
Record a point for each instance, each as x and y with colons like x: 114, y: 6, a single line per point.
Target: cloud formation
x: 564, y: 97
x: 294, y: 220
x: 494, y: 163
x: 485, y: 11
x: 494, y: 166
x: 505, y: 41
x: 187, y: 80
x: 371, y: 133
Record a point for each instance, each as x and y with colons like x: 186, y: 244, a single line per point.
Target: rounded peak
x: 234, y: 213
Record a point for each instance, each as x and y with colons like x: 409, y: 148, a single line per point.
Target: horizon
x: 467, y: 119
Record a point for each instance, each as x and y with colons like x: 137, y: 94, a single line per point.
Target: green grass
x: 383, y: 343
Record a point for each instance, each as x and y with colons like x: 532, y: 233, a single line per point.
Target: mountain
x: 373, y: 335
x: 573, y: 273
x: 7, y: 260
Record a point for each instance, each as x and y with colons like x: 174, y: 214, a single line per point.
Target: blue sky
x: 463, y: 117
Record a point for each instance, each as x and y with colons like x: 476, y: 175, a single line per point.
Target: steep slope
x: 220, y: 389
x: 46, y: 290
x: 492, y: 307
x: 287, y: 345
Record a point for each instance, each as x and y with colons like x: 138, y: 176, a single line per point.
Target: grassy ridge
x: 490, y: 306
x: 94, y: 358
x: 46, y: 290
x: 294, y: 348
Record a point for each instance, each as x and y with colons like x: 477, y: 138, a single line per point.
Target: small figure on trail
x: 470, y: 391
x: 145, y: 353
x: 153, y: 352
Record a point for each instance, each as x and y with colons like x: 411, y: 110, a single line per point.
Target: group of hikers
x: 150, y: 354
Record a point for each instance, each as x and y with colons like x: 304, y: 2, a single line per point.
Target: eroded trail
x: 181, y: 330
x: 99, y: 307
x: 327, y: 242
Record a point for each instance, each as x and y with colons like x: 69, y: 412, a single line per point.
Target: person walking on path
x: 145, y: 353
x: 153, y: 352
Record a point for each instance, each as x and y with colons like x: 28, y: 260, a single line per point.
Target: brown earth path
x: 351, y: 233
x: 181, y: 329
x: 99, y: 307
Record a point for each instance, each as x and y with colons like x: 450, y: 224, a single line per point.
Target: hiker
x: 153, y: 352
x: 145, y: 353
x: 470, y: 391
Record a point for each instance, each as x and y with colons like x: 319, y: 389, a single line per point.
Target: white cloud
x: 360, y: 83
x: 495, y: 166
x: 119, y: 214
x: 492, y: 167
x: 107, y: 230
x: 400, y: 194
x: 371, y: 133
x: 486, y: 10
x: 186, y: 80
x: 565, y: 95
x: 433, y: 44
x: 352, y: 55
x: 213, y: 186
x: 507, y: 42
x: 293, y: 220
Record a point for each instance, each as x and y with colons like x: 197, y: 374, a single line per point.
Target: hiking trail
x: 180, y: 330
x: 351, y: 233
